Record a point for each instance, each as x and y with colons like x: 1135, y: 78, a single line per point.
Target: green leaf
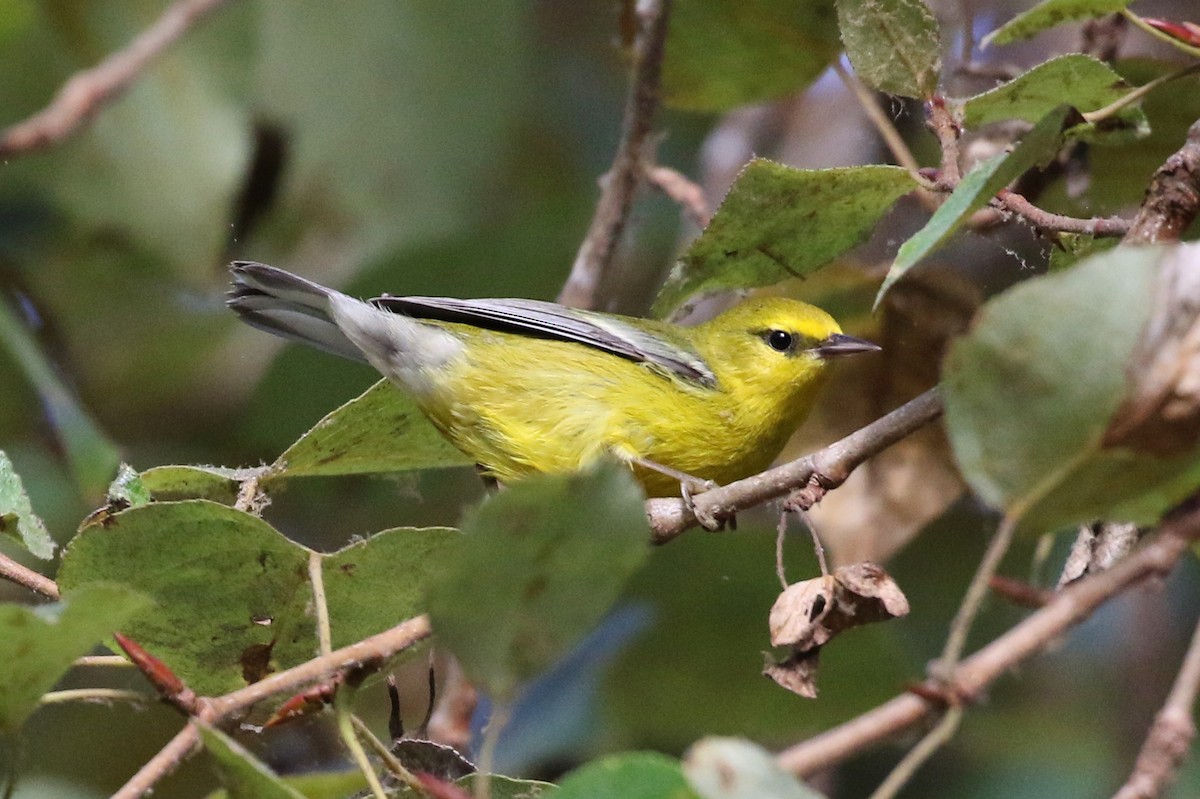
x: 1077, y: 80
x: 196, y: 482
x: 1071, y: 248
x: 974, y: 191
x: 373, y: 584
x: 1032, y: 389
x: 778, y: 222
x: 893, y: 45
x: 635, y: 775
x: 733, y: 768
x: 380, y: 431
x: 37, y: 645
x: 720, y: 54
x: 1048, y: 14
x: 231, y: 592
x: 541, y: 563
x: 17, y: 518
x: 509, y: 788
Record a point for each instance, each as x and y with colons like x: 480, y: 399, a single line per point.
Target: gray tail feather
x: 287, y: 305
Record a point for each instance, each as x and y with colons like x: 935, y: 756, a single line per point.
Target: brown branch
x: 1097, y: 226
x: 820, y: 471
x: 1037, y: 632
x: 87, y: 91
x: 1173, y: 198
x: 375, y: 649
x: 1170, y: 736
x: 619, y: 185
x: 23, y: 575
x: 941, y: 121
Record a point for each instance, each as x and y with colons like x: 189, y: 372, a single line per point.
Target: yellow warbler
x: 523, y: 386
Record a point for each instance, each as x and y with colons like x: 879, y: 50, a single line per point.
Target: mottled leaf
x: 893, y: 45
x: 1049, y: 13
x: 778, y: 222
x: 634, y: 775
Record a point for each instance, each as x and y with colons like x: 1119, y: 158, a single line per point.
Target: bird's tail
x: 289, y: 306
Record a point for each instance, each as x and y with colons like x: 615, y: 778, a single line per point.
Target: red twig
x: 23, y: 575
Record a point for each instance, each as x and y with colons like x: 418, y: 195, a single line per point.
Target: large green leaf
x: 720, y: 54
x: 380, y: 431
x: 233, y: 595
x: 1032, y: 389
x: 17, y: 518
x: 541, y: 563
x: 893, y: 45
x: 37, y: 645
x: 779, y: 222
x: 1049, y: 13
x: 1075, y: 79
x: 634, y: 775
x: 973, y: 192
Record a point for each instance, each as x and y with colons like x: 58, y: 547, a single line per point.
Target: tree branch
x: 375, y: 649
x: 23, y: 575
x: 1171, y: 735
x: 1097, y: 226
x: 87, y: 91
x: 1037, y: 632
x: 815, y: 474
x: 1173, y: 199
x: 619, y: 185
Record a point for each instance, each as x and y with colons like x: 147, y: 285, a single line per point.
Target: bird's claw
x: 708, y: 520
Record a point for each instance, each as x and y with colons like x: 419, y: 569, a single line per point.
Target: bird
x: 525, y: 386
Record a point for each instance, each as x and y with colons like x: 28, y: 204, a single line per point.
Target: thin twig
x: 1097, y: 226
x: 945, y: 128
x: 87, y: 91
x: 620, y: 184
x: 163, y: 763
x: 1157, y: 34
x: 1171, y: 735
x: 977, y: 591
x: 376, y: 648
x: 317, y: 579
x: 780, y: 534
x: 345, y: 725
x: 815, y: 473
x: 113, y: 661
x: 887, y: 131
x: 684, y: 191
x: 487, y: 750
x: 934, y: 740
x: 101, y: 695
x: 390, y: 761
x: 1068, y: 608
x: 23, y: 575
x: 1136, y: 94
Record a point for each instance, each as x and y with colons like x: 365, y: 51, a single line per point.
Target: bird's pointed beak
x: 840, y: 344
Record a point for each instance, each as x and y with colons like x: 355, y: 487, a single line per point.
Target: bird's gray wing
x: 613, y: 334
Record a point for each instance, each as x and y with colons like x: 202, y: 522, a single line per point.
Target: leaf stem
x: 1157, y: 34
x: 317, y: 578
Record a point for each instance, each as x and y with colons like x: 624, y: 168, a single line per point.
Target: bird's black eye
x: 779, y: 340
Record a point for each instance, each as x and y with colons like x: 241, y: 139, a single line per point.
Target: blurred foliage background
x: 453, y: 148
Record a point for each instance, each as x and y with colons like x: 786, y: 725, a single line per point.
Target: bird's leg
x: 689, y: 484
